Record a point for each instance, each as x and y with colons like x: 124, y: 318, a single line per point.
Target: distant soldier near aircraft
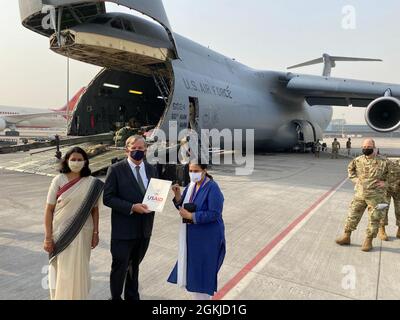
x: 317, y: 148
x: 348, y: 147
x: 57, y: 143
x: 393, y: 192
x: 335, y: 148
x: 370, y: 173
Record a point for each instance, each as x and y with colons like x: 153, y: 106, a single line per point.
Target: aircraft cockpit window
x: 117, y: 24
x: 100, y: 20
x: 128, y: 26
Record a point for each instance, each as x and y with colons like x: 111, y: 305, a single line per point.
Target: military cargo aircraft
x: 157, y: 76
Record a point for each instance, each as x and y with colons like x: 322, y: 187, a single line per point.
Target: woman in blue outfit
x: 202, y: 234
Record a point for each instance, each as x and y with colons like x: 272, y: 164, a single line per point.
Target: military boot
x: 382, y: 234
x: 398, y: 234
x: 345, y: 239
x: 367, y: 245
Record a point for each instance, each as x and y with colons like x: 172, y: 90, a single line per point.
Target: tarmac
x: 281, y: 225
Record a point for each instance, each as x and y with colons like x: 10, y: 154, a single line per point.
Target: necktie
x: 139, y: 180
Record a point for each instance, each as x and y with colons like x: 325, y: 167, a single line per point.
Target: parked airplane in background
x: 14, y: 118
x: 158, y: 77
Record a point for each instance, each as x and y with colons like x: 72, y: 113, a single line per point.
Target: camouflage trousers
x: 335, y: 153
x: 357, y: 209
x: 395, y: 195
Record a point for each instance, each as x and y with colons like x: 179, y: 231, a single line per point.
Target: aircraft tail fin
x: 72, y: 103
x: 330, y: 62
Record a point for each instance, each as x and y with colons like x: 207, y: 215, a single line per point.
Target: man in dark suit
x: 131, y: 221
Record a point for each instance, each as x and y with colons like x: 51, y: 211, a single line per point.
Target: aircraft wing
x: 320, y: 90
x: 15, y: 119
x: 381, y: 100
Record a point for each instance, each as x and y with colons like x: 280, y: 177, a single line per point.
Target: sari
x: 69, y: 271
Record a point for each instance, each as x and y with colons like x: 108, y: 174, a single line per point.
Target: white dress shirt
x: 142, y: 172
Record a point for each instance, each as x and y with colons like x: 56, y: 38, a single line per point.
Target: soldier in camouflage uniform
x: 348, y: 147
x: 335, y: 148
x: 393, y: 191
x: 370, y: 173
x: 124, y: 133
x: 317, y: 148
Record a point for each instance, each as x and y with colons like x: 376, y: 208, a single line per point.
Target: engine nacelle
x: 3, y: 124
x: 383, y: 114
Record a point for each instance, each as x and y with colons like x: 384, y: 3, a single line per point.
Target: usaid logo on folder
x: 156, y: 195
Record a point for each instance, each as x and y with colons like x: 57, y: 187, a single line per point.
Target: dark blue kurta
x: 205, y: 241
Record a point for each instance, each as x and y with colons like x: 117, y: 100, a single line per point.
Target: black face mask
x: 368, y: 152
x: 137, y: 155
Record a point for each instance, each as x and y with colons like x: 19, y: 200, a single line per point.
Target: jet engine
x: 3, y: 124
x: 383, y: 114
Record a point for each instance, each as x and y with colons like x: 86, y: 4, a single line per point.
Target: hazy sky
x: 264, y: 34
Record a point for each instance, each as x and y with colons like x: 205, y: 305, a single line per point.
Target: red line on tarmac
x: 267, y: 249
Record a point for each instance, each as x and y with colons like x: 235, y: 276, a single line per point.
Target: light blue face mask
x: 195, y: 176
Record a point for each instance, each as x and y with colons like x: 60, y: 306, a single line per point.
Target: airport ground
x: 281, y: 224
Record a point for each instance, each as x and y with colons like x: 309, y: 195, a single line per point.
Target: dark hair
x: 203, y: 166
x: 85, y: 172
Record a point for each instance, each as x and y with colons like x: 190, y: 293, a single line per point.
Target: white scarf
x: 182, y: 253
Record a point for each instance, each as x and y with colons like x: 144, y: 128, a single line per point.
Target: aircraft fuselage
x: 234, y: 96
x: 227, y: 94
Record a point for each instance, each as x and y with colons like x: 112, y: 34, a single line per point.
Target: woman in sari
x: 202, y: 234
x: 72, y: 227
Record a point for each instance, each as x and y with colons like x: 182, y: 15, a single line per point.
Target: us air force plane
x: 157, y: 76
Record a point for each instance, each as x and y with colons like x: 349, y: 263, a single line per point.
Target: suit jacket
x: 121, y: 192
